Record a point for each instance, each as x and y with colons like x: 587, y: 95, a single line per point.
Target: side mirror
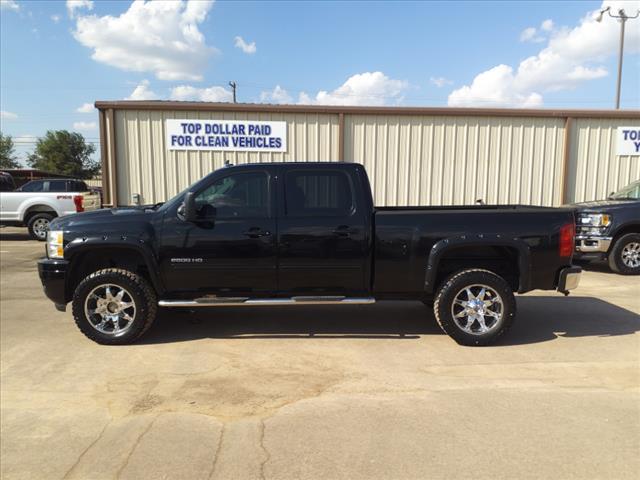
x: 189, y: 207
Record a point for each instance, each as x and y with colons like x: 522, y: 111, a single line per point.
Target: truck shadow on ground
x: 540, y: 319
x: 5, y: 236
x: 598, y: 266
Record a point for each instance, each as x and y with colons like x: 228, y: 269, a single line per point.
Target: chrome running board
x: 258, y: 302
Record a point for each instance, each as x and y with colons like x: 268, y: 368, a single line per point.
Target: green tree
x: 8, y: 157
x: 66, y: 153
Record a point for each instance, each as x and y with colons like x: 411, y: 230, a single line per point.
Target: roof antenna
x: 227, y: 163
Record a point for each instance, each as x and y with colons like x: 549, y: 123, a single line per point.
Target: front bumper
x: 53, y: 275
x: 569, y: 279
x: 592, y: 244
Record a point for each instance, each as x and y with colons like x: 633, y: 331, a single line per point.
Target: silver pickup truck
x: 38, y: 202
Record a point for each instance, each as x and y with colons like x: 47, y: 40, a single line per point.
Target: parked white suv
x: 38, y: 202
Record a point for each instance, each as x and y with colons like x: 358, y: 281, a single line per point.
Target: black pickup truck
x: 610, y: 230
x: 300, y: 234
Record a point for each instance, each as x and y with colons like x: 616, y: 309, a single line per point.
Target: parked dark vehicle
x: 6, y: 182
x: 298, y: 234
x: 610, y: 230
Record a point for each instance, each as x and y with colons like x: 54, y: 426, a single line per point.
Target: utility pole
x: 622, y: 17
x: 233, y: 86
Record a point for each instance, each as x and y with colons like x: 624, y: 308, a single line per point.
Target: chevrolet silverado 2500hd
x: 299, y: 234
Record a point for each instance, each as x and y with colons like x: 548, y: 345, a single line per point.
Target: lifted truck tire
x: 624, y: 257
x: 38, y: 226
x: 114, y: 306
x: 475, y: 307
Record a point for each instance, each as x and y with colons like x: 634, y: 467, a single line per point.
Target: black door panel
x: 231, y: 251
x: 322, y: 241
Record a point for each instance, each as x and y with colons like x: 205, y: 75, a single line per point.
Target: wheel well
x: 86, y: 263
x: 502, y: 261
x: 635, y: 228
x: 34, y: 209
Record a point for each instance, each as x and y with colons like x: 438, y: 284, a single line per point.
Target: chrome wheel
x: 631, y: 255
x: 41, y: 227
x: 110, y: 309
x: 477, y: 309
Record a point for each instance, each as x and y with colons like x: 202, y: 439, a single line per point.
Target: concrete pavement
x: 320, y: 392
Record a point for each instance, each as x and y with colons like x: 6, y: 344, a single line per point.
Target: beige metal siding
x: 412, y: 159
x: 146, y: 167
x: 447, y: 160
x: 594, y: 168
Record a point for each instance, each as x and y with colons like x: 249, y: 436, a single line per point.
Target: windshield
x: 630, y: 192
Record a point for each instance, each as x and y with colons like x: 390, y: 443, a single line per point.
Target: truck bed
x: 405, y: 239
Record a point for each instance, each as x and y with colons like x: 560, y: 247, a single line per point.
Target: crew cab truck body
x: 302, y: 233
x: 38, y: 202
x: 610, y: 230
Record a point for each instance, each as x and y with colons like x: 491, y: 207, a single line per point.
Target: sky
x: 58, y: 57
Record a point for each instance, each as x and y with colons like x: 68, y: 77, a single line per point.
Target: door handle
x: 344, y: 231
x: 256, y: 233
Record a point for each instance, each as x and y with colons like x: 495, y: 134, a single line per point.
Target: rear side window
x: 34, y: 186
x: 319, y: 193
x: 78, y: 186
x: 56, y: 186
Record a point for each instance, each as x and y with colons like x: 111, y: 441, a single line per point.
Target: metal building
x: 419, y: 156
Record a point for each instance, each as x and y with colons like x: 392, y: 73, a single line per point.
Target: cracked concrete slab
x: 329, y: 392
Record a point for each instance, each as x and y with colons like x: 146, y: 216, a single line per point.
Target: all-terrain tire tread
x: 442, y: 290
x: 149, y: 298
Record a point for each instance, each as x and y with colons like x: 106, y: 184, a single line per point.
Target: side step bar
x: 248, y: 302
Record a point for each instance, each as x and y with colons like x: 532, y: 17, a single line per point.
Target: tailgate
x: 90, y: 201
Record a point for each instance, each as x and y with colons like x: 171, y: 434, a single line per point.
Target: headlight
x: 594, y: 220
x: 55, y: 247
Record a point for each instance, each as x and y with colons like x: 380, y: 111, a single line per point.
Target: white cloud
x: 277, y: 95
x: 142, y: 92
x: 532, y: 34
x: 368, y: 88
x: 85, y: 108
x: 56, y: 18
x: 529, y: 35
x: 440, y: 81
x: 211, y: 94
x: 73, y: 5
x: 160, y: 37
x: 8, y: 115
x: 84, y: 125
x: 493, y: 88
x: 572, y: 56
x: 9, y: 5
x: 244, y: 46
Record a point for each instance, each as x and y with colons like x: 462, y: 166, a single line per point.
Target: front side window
x: 242, y: 195
x: 315, y: 193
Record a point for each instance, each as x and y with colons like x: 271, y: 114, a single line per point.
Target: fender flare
x: 441, y: 247
x: 119, y: 242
